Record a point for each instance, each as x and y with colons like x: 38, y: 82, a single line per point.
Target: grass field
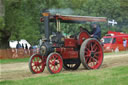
x: 107, y: 76
x: 3, y: 61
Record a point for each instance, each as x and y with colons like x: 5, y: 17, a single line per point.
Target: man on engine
x: 96, y: 32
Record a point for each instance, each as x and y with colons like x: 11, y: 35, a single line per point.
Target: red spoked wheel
x: 91, y: 54
x: 36, y: 64
x: 54, y: 63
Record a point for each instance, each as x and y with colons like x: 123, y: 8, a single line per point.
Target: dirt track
x: 21, y: 70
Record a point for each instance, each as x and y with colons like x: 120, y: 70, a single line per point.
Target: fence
x: 16, y: 53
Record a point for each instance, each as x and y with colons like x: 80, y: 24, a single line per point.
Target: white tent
x: 13, y: 44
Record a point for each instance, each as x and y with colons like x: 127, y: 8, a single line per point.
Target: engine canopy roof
x: 75, y: 18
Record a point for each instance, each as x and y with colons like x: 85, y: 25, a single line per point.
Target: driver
x: 96, y: 32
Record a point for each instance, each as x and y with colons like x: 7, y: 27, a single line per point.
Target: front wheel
x: 54, y: 63
x: 91, y: 53
x: 36, y: 64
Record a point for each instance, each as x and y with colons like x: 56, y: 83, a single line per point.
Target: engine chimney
x: 46, y: 15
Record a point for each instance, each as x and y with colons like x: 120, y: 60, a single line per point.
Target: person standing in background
x: 18, y: 45
x: 18, y: 49
x: 26, y: 49
x: 125, y: 43
x: 26, y: 46
x: 30, y: 51
x: 22, y: 45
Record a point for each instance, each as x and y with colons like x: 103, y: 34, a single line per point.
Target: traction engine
x: 57, y: 51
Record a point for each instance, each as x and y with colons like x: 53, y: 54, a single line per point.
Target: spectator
x: 18, y: 45
x: 125, y: 43
x: 18, y: 49
x: 26, y: 49
x: 26, y: 46
x: 31, y: 50
x: 22, y: 45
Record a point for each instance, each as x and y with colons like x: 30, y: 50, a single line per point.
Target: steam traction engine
x: 57, y: 51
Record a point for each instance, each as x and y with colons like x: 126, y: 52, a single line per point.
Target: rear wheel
x: 36, y: 64
x: 54, y: 63
x: 71, y: 64
x: 91, y: 54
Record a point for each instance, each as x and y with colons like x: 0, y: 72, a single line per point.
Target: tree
x: 22, y: 17
x: 22, y: 20
x: 4, y: 35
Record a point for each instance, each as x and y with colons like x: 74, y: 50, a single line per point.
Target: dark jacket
x: 18, y: 45
x: 96, y: 32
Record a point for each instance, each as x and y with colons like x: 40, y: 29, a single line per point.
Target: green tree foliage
x: 22, y: 17
x: 3, y: 33
x: 22, y: 20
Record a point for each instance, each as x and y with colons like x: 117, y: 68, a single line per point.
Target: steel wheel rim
x: 93, y: 54
x: 55, y: 63
x: 37, y: 64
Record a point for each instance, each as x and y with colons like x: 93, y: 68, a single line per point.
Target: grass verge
x: 113, y: 53
x: 108, y: 76
x: 4, y: 61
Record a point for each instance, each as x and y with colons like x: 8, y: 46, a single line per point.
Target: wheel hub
x: 92, y: 54
x: 56, y: 63
x: 36, y: 63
